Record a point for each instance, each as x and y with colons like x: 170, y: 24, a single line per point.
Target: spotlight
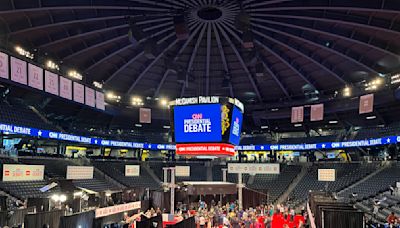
x: 24, y: 52
x: 347, y: 92
x: 63, y: 198
x: 137, y: 101
x: 52, y: 65
x: 74, y: 74
x: 55, y: 198
x: 164, y: 102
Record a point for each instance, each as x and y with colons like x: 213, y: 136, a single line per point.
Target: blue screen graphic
x: 236, y: 126
x: 198, y: 123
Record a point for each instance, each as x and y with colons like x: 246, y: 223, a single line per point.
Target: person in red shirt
x: 391, y: 219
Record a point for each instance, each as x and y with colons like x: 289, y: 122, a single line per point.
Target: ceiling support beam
x: 222, y: 53
x: 208, y: 57
x: 192, y: 57
x: 248, y: 73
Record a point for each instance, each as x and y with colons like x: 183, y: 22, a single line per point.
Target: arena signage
x: 253, y: 168
x: 20, y: 172
x: 79, y: 172
x: 12, y: 129
x: 106, y: 211
x: 210, y: 149
x: 132, y: 170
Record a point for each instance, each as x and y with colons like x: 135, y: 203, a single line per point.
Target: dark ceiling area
x: 315, y: 47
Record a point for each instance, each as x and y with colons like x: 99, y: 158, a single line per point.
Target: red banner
x: 297, y: 114
x: 145, y: 115
x: 317, y: 112
x: 366, y: 104
x: 206, y: 149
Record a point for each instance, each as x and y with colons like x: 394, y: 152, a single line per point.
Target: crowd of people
x: 230, y: 216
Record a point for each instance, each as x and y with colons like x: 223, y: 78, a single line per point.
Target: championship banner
x: 106, y: 211
x: 100, y: 100
x: 182, y: 171
x: 326, y: 175
x: 18, y: 71
x: 253, y: 168
x: 317, y: 112
x: 51, y: 82
x: 206, y: 149
x: 89, y: 97
x: 145, y: 115
x: 79, y: 93
x: 79, y: 172
x: 35, y: 77
x: 366, y: 104
x: 297, y: 114
x: 17, y: 172
x: 132, y: 170
x: 65, y: 88
x: 3, y: 65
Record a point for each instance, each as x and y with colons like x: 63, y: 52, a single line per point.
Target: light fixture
x: 108, y: 194
x: 112, y: 96
x: 52, y: 65
x: 24, y: 52
x: 298, y: 125
x: 137, y: 101
x: 274, y: 109
x: 55, y: 197
x: 76, y: 194
x: 374, y: 84
x: 164, y: 102
x: 138, y: 125
x: 264, y: 127
x: 63, y: 198
x: 333, y: 121
x: 166, y: 127
x: 98, y: 84
x: 75, y: 74
x: 347, y: 92
x: 370, y: 117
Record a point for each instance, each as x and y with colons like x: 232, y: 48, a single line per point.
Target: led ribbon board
x: 34, y: 132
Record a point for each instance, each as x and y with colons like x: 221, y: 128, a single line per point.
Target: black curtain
x: 187, y: 223
x: 343, y: 219
x: 3, y: 218
x: 83, y: 220
x: 3, y: 203
x: 155, y: 222
x: 41, y: 204
x: 17, y: 217
x: 51, y: 218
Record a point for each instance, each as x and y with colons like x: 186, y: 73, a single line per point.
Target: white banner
x: 253, y: 168
x: 17, y: 172
x: 79, y: 172
x: 132, y: 170
x: 182, y: 171
x: 106, y: 211
x: 326, y: 175
x: 4, y: 65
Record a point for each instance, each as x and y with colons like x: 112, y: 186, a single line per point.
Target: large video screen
x: 236, y: 126
x: 197, y: 123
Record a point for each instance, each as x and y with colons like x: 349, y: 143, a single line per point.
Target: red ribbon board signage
x: 211, y: 149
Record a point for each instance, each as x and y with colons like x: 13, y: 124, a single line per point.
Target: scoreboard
x: 206, y: 125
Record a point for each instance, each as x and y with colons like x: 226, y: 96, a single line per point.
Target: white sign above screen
x: 326, y: 175
x: 132, y: 170
x: 182, y: 171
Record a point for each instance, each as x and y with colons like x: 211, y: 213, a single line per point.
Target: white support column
x: 165, y: 175
x: 172, y: 190
x: 240, y: 191
x: 224, y: 173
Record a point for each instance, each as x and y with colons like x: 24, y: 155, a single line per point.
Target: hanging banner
x: 18, y: 71
x: 145, y: 115
x: 51, y: 82
x: 18, y: 172
x: 79, y: 172
x: 100, y: 101
x: 106, y: 211
x: 79, y: 93
x: 35, y: 77
x: 366, y: 104
x: 3, y: 65
x: 317, y: 112
x: 326, y: 175
x: 297, y: 114
x: 182, y: 171
x: 132, y: 170
x: 253, y: 168
x: 89, y: 97
x: 65, y: 88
